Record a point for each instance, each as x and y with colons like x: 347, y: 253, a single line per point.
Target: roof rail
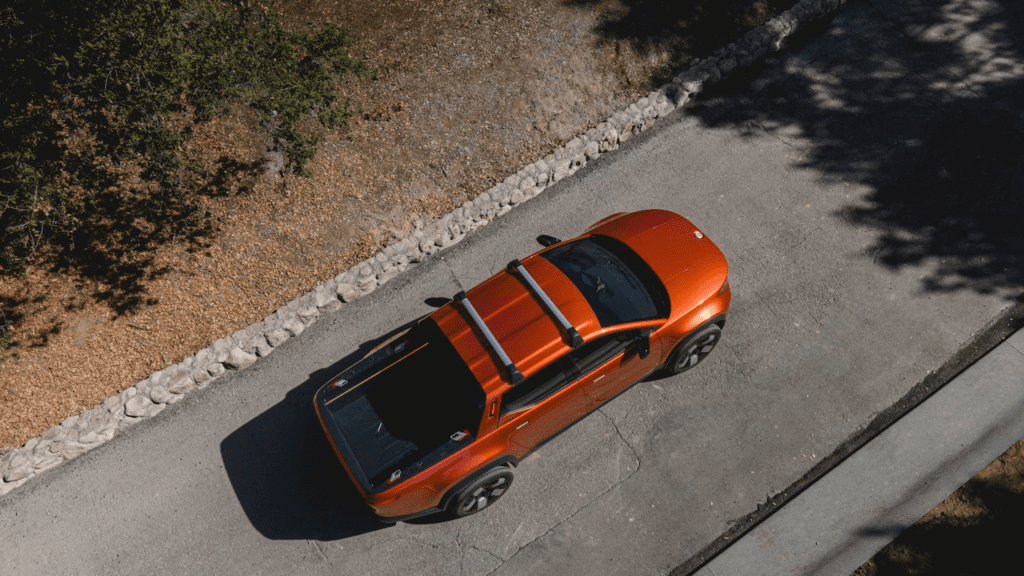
x: 513, y: 372
x: 575, y: 340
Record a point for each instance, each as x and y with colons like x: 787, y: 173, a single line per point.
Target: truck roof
x: 526, y: 331
x: 529, y: 334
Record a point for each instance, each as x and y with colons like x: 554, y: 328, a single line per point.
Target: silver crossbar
x: 513, y: 372
x: 575, y: 340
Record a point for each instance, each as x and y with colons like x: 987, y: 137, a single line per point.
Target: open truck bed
x: 402, y: 408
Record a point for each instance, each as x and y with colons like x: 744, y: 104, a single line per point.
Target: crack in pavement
x: 462, y: 551
x: 316, y: 544
x: 488, y: 552
x: 585, y: 506
x: 615, y: 426
x: 767, y: 131
x: 451, y: 271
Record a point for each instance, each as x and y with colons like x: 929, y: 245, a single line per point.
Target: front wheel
x: 693, y: 349
x: 482, y: 492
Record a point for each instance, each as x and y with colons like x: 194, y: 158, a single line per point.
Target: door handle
x: 523, y: 424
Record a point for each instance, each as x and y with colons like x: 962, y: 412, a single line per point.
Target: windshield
x: 619, y: 286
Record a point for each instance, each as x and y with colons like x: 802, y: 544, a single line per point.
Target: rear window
x: 619, y: 286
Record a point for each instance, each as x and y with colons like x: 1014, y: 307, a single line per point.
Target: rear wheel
x: 482, y: 492
x: 694, y: 349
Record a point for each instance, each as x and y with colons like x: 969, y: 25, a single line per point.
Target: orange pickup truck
x: 437, y: 419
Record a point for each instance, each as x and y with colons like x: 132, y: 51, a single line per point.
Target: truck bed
x: 401, y: 412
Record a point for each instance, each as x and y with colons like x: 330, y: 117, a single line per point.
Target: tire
x: 694, y: 349
x: 482, y: 492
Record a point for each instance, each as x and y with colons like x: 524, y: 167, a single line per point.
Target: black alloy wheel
x: 694, y: 349
x: 482, y: 492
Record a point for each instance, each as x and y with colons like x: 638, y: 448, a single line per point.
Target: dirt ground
x: 976, y: 530
x: 468, y: 91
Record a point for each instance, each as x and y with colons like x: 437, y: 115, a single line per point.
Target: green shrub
x: 95, y: 86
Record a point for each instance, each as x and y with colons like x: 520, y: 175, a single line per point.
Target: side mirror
x: 643, y: 343
x: 546, y: 240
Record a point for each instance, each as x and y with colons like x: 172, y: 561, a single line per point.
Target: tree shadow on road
x: 285, y: 473
x: 922, y: 103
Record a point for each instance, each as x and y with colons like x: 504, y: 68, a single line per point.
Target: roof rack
x: 513, y: 372
x: 575, y: 340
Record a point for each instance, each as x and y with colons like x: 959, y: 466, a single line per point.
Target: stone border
x: 95, y: 426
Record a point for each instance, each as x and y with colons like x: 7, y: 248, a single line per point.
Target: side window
x: 595, y: 353
x: 544, y: 383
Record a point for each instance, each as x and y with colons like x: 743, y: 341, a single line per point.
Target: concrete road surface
x: 864, y: 191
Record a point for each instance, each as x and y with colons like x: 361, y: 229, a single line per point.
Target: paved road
x: 866, y: 214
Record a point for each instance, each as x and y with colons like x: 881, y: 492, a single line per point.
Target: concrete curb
x: 95, y: 426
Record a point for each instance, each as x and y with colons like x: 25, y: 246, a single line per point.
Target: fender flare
x: 506, y: 460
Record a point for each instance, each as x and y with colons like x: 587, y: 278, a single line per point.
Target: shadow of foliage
x: 99, y: 101
x: 981, y: 541
x: 684, y: 29
x: 922, y: 102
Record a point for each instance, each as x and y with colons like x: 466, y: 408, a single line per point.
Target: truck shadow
x: 285, y: 474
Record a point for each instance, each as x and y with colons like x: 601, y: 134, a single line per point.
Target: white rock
x: 367, y: 284
x: 562, y: 168
x: 111, y: 404
x: 216, y: 369
x: 18, y: 466
x: 42, y: 447
x: 324, y: 297
x: 55, y: 432
x: 307, y: 314
x: 43, y: 464
x: 239, y: 359
x: 294, y: 327
x: 348, y: 292
x: 221, y: 348
x: 201, y: 377
x: 182, y: 383
x: 68, y: 450
x: 90, y: 438
x: 261, y: 347
x: 159, y: 394
x: 278, y: 337
x: 137, y: 406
